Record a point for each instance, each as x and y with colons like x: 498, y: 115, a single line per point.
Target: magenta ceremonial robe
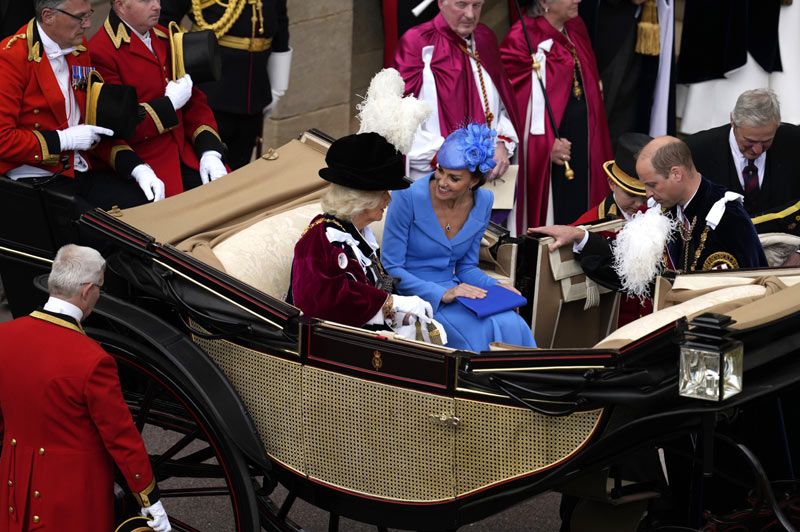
x: 533, y: 192
x: 459, y: 99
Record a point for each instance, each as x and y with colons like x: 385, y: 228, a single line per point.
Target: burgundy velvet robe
x: 533, y: 192
x: 459, y: 99
x: 329, y: 283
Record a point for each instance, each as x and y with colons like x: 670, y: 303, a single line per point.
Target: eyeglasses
x: 81, y: 18
x: 99, y: 286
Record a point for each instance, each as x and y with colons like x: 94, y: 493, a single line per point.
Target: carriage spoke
x: 286, y: 506
x: 144, y: 408
x: 175, y: 449
x: 195, y: 492
x: 333, y: 523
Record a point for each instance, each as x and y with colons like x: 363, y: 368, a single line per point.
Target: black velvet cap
x: 112, y: 106
x: 365, y: 161
x: 201, y: 56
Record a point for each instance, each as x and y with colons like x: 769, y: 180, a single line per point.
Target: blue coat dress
x: 418, y: 253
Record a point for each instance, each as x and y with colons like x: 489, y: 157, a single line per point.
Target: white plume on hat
x: 385, y: 111
x: 639, y: 250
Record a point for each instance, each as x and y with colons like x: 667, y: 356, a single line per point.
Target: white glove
x: 160, y: 522
x: 179, y: 91
x: 149, y: 182
x: 279, y: 65
x: 211, y: 166
x: 412, y: 305
x: 267, y: 111
x: 81, y: 137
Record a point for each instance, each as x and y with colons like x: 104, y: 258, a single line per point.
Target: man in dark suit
x: 755, y: 155
x: 713, y: 231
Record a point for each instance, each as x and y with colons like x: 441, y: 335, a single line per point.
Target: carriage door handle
x: 445, y: 420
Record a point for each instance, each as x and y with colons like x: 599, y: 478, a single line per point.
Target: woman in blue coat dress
x: 432, y: 237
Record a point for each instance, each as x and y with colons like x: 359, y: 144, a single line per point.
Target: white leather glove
x: 149, y: 182
x: 179, y: 91
x: 81, y: 137
x: 279, y: 66
x: 412, y: 305
x: 160, y: 522
x: 211, y: 166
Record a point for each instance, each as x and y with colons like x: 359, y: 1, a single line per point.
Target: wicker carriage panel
x: 495, y: 443
x: 376, y: 439
x: 270, y: 389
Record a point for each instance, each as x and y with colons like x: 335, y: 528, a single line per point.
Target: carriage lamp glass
x: 711, y: 364
x: 712, y: 375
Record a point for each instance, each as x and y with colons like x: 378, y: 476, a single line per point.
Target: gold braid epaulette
x: 14, y: 39
x: 232, y: 12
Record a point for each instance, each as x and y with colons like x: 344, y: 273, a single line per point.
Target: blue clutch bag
x: 498, y: 299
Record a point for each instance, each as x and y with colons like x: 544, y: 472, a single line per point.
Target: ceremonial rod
x: 568, y: 172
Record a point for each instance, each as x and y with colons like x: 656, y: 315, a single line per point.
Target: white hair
x: 73, y: 267
x: 757, y: 107
x: 345, y: 202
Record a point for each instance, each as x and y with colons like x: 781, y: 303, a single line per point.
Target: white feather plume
x: 639, y: 250
x: 385, y: 111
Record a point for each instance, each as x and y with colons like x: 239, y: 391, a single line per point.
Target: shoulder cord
x: 233, y: 9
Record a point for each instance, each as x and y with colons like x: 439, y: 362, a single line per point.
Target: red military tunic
x: 165, y: 137
x: 32, y: 106
x: 66, y: 425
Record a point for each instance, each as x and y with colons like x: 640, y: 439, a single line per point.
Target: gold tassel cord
x: 647, y: 37
x: 232, y: 12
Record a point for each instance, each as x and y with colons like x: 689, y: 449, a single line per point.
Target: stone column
x: 321, y: 35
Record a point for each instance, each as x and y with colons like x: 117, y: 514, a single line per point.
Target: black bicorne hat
x: 115, y: 107
x: 195, y: 53
x: 134, y: 524
x: 622, y: 170
x: 365, y: 161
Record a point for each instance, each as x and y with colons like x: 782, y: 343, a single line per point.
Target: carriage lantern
x: 711, y: 363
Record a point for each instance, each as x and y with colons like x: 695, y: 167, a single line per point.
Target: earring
x: 547, y: 10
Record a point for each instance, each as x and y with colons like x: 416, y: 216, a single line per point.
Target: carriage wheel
x: 204, y: 480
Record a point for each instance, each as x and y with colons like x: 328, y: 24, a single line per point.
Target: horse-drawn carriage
x: 248, y: 392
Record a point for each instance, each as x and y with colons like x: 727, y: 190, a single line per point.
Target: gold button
x: 11, y: 509
x: 137, y: 476
x: 13, y: 442
x: 36, y: 494
x: 36, y: 519
x: 37, y: 125
x: 36, y: 157
x: 10, y: 483
x: 36, y: 111
x: 41, y: 451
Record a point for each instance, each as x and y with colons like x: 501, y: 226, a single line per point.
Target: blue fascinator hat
x: 470, y: 148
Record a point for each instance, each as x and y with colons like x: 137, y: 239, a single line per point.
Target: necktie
x: 750, y: 177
